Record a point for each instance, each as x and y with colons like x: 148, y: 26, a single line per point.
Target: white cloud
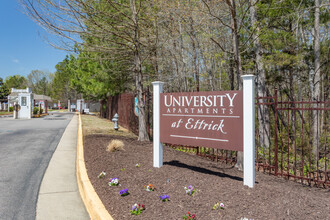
x: 15, y: 60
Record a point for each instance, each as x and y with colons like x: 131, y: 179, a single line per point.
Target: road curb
x: 6, y: 116
x: 91, y: 200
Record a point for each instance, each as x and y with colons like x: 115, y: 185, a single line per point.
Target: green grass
x: 6, y: 113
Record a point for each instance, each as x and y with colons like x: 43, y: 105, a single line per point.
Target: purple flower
x: 164, y: 198
x: 135, y: 207
x: 114, y: 179
x: 124, y: 192
x: 190, y: 190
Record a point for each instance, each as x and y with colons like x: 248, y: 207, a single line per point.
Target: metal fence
x: 292, y: 138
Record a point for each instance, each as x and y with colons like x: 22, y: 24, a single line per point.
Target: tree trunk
x: 316, y: 93
x: 236, y: 45
x: 143, y: 133
x: 231, y: 71
x: 193, y: 38
x: 182, y: 61
x: 238, y: 63
x: 263, y: 115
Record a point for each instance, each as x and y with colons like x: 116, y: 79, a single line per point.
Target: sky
x: 22, y: 44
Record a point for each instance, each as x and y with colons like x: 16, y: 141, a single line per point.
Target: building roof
x: 42, y: 97
x: 13, y: 97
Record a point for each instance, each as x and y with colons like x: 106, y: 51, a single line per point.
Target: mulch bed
x: 271, y: 198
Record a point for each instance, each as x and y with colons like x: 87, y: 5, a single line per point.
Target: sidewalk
x: 59, y: 196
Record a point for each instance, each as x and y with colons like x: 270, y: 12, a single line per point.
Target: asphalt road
x: 26, y: 147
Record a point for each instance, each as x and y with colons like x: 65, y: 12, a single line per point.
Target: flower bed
x: 272, y: 198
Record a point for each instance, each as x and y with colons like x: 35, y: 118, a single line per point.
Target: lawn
x: 6, y: 113
x: 95, y: 125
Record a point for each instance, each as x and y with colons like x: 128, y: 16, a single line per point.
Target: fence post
x: 157, y: 146
x: 248, y: 130
x: 276, y: 138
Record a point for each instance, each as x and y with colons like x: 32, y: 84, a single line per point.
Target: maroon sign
x: 205, y: 119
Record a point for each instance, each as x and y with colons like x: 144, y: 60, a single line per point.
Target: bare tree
x: 114, y: 28
x: 40, y: 82
x: 235, y: 50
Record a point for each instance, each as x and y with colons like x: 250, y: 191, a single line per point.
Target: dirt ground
x: 271, y: 198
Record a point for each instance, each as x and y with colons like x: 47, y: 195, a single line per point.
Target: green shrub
x: 11, y: 109
x: 36, y: 110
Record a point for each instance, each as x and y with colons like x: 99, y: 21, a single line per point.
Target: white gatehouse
x: 24, y: 99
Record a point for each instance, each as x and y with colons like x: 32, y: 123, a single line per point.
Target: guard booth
x: 24, y: 98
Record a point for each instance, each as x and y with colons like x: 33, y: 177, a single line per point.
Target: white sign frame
x: 248, y: 129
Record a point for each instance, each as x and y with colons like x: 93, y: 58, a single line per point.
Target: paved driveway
x: 26, y: 147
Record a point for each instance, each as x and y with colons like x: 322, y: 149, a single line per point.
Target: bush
x: 36, y: 110
x: 11, y: 109
x: 115, y: 145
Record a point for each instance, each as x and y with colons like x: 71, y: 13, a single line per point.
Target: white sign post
x: 157, y: 146
x: 248, y: 130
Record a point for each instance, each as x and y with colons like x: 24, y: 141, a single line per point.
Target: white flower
x: 102, y: 174
x: 222, y: 205
x: 114, y: 182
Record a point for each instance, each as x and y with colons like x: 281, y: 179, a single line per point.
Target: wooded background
x: 196, y: 45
